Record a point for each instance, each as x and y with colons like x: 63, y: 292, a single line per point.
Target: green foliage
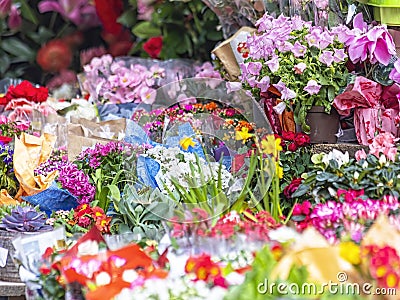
x: 260, y: 275
x: 207, y: 194
x: 376, y: 177
x: 141, y: 212
x: 189, y: 29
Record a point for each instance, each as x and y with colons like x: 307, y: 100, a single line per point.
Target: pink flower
x: 79, y: 12
x: 14, y: 20
x: 263, y: 84
x: 148, y: 95
x: 326, y: 57
x: 321, y: 4
x: 254, y: 68
x: 273, y: 63
x: 395, y: 73
x: 299, y: 68
x: 312, y: 87
x: 360, y: 154
x: 286, y: 93
x: 5, y: 7
x: 298, y: 49
x: 339, y: 55
x: 375, y: 44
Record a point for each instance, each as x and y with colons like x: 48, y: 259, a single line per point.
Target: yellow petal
x: 186, y: 142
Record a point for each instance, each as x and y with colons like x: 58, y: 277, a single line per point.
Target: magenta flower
x: 376, y: 44
x: 312, y: 87
x: 14, y: 20
x: 395, y: 73
x: 326, y: 58
x: 79, y: 12
x: 5, y: 7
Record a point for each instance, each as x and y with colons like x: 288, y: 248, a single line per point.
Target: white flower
x: 88, y: 247
x: 283, y: 234
x: 129, y: 275
x: 103, y: 278
x: 340, y: 157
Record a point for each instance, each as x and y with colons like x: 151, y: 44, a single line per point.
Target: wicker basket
x: 10, y: 272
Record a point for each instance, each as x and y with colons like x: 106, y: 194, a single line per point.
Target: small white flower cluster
x: 178, y: 164
x: 177, y: 288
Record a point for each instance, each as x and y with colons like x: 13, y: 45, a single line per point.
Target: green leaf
x: 146, y: 30
x: 27, y: 12
x: 4, y: 63
x: 301, y: 190
x: 15, y: 47
x: 128, y: 18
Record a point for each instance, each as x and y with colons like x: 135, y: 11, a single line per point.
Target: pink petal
x: 358, y: 22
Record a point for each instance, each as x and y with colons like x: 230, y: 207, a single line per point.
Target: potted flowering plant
x: 302, y: 63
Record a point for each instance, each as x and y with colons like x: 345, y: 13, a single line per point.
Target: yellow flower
x: 271, y: 145
x: 243, y: 134
x: 278, y: 170
x: 350, y: 252
x: 186, y: 142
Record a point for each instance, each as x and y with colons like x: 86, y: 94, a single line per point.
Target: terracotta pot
x: 323, y: 126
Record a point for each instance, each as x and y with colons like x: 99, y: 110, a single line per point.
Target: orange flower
x: 211, y: 106
x: 54, y: 56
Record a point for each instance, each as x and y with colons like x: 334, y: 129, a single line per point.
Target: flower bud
x: 5, y: 6
x: 14, y: 20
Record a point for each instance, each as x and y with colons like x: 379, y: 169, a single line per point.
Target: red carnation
x: 153, y: 46
x: 54, y: 56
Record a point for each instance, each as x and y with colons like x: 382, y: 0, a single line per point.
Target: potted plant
x: 305, y: 64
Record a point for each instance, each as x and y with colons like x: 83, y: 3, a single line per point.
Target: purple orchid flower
x: 79, y: 12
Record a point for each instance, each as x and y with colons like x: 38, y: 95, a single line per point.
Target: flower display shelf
x: 385, y: 11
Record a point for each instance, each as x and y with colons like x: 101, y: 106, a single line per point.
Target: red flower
x: 48, y: 253
x: 108, y: 12
x: 288, y: 135
x: 153, y: 46
x: 54, y: 56
x: 292, y: 147
x: 292, y: 187
x: 27, y: 91
x: 301, y: 139
x: 5, y: 140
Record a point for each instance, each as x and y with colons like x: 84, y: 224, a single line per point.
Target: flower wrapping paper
x: 375, y: 108
x: 30, y: 151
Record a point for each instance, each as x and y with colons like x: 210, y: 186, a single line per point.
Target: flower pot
x: 385, y: 11
x: 323, y: 126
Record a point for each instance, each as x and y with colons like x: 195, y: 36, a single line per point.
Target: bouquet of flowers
x: 114, y: 82
x: 304, y: 64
